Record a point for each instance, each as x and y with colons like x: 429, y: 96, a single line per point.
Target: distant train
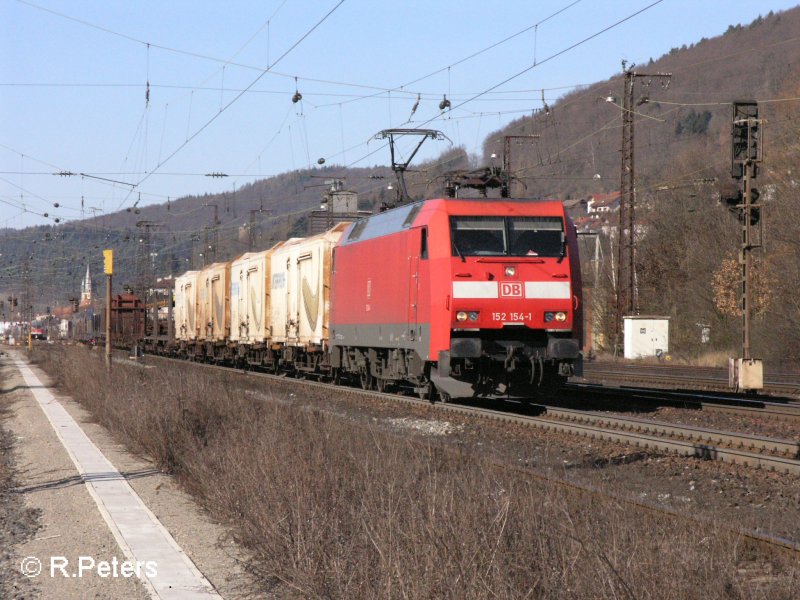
x: 442, y: 297
x: 87, y: 324
x: 38, y: 331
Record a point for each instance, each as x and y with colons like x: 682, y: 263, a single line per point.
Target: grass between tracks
x: 332, y: 509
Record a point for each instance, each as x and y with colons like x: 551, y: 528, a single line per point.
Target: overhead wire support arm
x: 400, y: 167
x: 89, y: 176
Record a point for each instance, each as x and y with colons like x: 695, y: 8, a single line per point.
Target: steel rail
x: 742, y: 406
x: 702, y: 435
x: 779, y: 384
x: 688, y: 370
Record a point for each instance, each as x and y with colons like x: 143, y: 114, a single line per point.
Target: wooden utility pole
x: 627, y: 302
x: 108, y: 268
x: 28, y: 306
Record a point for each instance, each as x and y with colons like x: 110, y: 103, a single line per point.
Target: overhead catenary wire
x: 453, y: 117
x: 531, y: 67
x: 450, y: 115
x: 230, y: 61
x: 237, y: 97
x: 143, y: 120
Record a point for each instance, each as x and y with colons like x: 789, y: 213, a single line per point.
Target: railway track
x: 690, y: 441
x: 684, y: 377
x: 751, y: 407
x: 706, y: 444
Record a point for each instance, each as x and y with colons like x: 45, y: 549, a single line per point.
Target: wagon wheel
x: 367, y: 381
x: 426, y: 391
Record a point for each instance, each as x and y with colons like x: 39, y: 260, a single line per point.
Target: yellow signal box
x: 108, y: 262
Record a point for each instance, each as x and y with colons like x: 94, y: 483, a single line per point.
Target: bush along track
x: 331, y: 508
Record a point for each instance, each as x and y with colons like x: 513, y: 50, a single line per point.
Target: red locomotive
x: 465, y: 297
x: 449, y: 297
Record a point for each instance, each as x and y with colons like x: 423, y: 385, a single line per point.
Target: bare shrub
x: 332, y: 509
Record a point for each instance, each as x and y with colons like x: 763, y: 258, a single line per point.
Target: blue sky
x: 73, y: 85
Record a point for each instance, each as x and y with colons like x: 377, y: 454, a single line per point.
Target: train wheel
x: 367, y: 381
x: 381, y: 384
x: 426, y: 391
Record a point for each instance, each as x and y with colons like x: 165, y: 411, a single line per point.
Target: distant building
x: 338, y: 205
x: 63, y: 312
x: 86, y: 289
x: 600, y: 204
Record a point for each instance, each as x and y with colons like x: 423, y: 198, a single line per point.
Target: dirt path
x: 76, y: 521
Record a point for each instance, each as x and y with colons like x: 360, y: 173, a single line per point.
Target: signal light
x: 745, y: 138
x: 108, y: 262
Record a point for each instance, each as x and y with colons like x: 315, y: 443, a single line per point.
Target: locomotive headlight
x: 511, y: 271
x: 549, y: 317
x: 473, y: 316
x: 461, y: 316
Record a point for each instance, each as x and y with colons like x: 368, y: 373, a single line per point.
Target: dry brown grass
x: 18, y: 522
x: 331, y: 509
x: 717, y: 358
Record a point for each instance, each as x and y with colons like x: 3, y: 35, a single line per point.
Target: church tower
x: 86, y: 289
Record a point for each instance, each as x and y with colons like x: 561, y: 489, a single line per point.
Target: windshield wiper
x: 563, y: 254
x: 461, y: 256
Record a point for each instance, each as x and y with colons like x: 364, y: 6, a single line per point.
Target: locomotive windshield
x: 507, y: 236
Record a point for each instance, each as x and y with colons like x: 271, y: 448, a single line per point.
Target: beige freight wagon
x: 213, y: 303
x: 301, y: 283
x: 186, y: 306
x: 250, y: 297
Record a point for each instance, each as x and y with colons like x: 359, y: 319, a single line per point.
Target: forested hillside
x: 687, y: 251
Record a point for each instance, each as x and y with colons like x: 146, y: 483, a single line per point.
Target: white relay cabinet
x: 646, y: 336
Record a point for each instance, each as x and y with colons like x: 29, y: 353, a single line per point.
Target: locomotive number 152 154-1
x: 515, y: 317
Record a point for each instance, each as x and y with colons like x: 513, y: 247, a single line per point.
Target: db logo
x: 510, y: 290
